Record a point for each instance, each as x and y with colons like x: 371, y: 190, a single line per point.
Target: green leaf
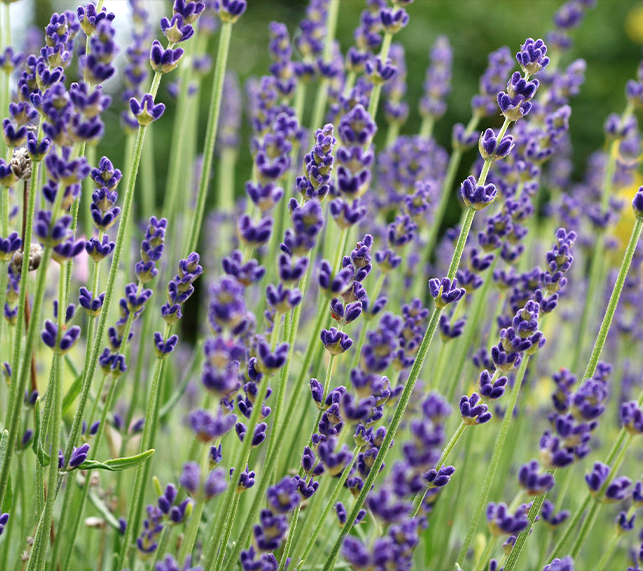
x: 72, y: 393
x: 117, y: 464
x: 43, y: 457
x: 104, y: 511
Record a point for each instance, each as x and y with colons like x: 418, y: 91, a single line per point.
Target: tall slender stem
x: 405, y: 397
x: 211, y: 134
x: 142, y: 470
x: 39, y: 551
x: 377, y: 88
x: 495, y: 458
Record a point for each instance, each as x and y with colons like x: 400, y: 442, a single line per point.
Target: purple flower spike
x: 492, y: 149
x: 189, y: 10
x: 637, y: 203
x: 4, y: 519
x: 9, y: 245
x: 502, y: 522
x: 477, y: 197
x: 445, y: 292
x: 473, y: 411
x: 336, y: 342
x: 146, y: 111
x: 230, y: 10
x: 532, y: 481
x: 564, y: 564
x: 513, y: 108
x: 78, y: 456
x: 439, y: 478
x: 215, y: 483
x: 531, y: 56
x: 283, y: 497
x: 393, y: 19
x: 631, y: 417
x: 489, y: 390
x: 162, y: 348
x: 164, y: 60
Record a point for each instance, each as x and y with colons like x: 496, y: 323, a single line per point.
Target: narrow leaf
x: 117, y: 464
x: 104, y: 511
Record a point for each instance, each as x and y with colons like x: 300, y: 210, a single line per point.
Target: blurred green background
x: 609, y: 40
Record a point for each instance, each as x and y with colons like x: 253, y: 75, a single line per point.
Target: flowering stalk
x: 445, y: 195
x: 405, y: 396
x: 377, y: 87
x: 147, y: 442
x: 596, y: 263
x: 223, y: 526
x: 589, y: 372
x: 321, y: 96
x: 495, y: 458
x: 211, y: 133
x: 38, y: 557
x: 19, y: 381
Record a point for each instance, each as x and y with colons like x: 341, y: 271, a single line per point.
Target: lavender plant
x: 267, y: 391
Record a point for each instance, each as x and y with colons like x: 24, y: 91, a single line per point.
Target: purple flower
x: 493, y: 149
x: 78, y: 456
x: 164, y: 60
x: 564, y: 564
x: 336, y: 342
x: 502, y: 522
x: 531, y: 56
x: 163, y: 347
x: 631, y: 417
x: 230, y: 10
x: 283, y: 497
x: 552, y: 520
x: 207, y: 427
x: 445, y: 292
x: 146, y: 111
x: 67, y: 341
x: 393, y: 19
x: 532, y: 481
x: 475, y: 196
x: 270, y: 532
x: 491, y: 390
x: 637, y: 203
x: 473, y: 411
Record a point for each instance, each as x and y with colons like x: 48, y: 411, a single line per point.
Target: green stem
x: 39, y: 552
x: 377, y: 88
x: 447, y: 185
x: 272, y: 456
x: 211, y: 133
x: 330, y: 504
x: 16, y: 389
x: 471, y: 328
x: 405, y: 397
x: 426, y: 128
x: 291, y: 534
x: 419, y: 498
x: 495, y: 458
x: 608, y: 554
x: 321, y: 97
x: 179, y: 131
x: 227, y: 163
x: 614, y: 297
x: 223, y: 525
x: 142, y: 470
x: 189, y: 538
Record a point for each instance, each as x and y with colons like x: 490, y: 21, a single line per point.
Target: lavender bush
x: 317, y: 422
